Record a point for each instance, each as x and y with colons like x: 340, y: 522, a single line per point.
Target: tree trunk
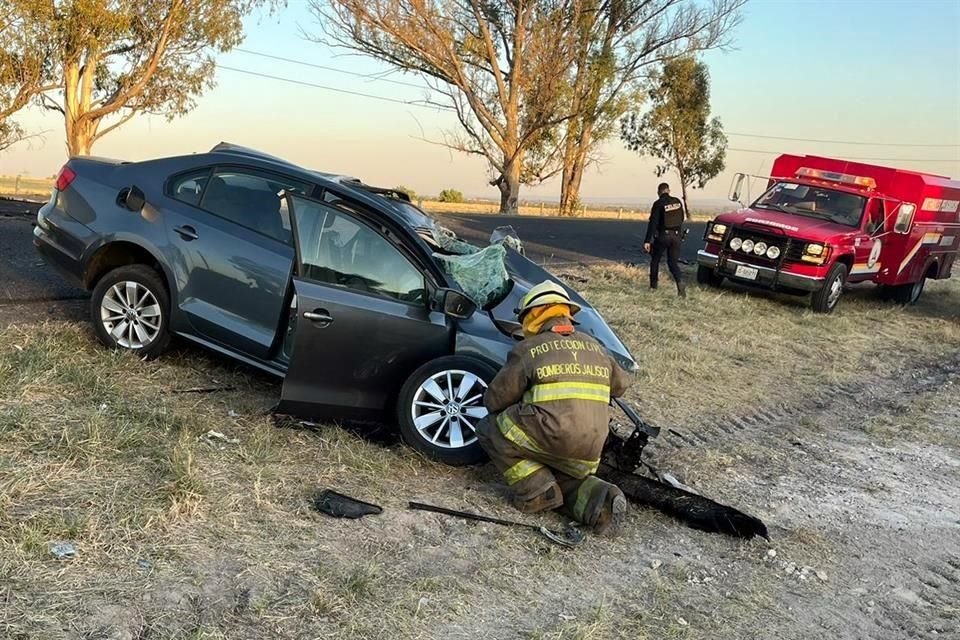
x: 77, y: 100
x: 80, y: 136
x: 683, y: 196
x: 574, y: 164
x: 509, y: 185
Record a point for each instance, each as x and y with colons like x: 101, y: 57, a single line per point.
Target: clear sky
x: 882, y: 71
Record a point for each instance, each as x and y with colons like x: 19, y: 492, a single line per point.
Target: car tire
x: 826, y: 299
x: 709, y: 277
x: 908, y: 294
x: 130, y: 309
x: 440, y: 405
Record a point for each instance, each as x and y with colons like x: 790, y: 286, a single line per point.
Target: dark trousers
x: 668, y: 241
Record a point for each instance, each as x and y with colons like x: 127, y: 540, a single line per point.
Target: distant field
x: 33, y: 187
x: 25, y: 186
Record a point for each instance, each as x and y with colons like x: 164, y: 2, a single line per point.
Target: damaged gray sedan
x: 360, y: 301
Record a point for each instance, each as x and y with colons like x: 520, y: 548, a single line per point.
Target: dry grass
x: 489, y: 207
x: 25, y: 186
x: 178, y: 536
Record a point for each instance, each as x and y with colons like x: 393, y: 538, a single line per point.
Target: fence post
x: 619, y: 212
x: 16, y: 186
x: 541, y: 209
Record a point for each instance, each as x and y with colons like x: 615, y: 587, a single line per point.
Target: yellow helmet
x: 547, y: 292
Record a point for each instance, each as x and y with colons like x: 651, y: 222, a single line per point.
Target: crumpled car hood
x: 525, y: 274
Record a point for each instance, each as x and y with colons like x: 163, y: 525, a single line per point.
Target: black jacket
x: 666, y: 213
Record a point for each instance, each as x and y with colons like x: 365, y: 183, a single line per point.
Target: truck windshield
x: 814, y: 201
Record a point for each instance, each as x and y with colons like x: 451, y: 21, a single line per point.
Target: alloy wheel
x: 447, y: 407
x: 836, y: 288
x: 131, y: 315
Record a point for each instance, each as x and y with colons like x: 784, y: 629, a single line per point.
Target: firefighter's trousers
x: 540, y: 481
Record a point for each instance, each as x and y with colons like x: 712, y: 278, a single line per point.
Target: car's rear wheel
x: 907, y: 294
x: 440, y: 406
x: 129, y: 310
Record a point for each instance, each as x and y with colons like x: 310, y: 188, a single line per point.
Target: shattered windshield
x: 481, y: 273
x: 817, y: 202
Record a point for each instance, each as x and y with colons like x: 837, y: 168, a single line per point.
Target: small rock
x: 822, y: 576
x: 62, y: 550
x: 143, y: 563
x: 682, y: 622
x: 655, y: 564
x: 871, y: 604
x: 233, y: 414
x: 789, y: 568
x: 772, y: 553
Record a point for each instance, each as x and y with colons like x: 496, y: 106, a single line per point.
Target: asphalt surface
x: 29, y: 286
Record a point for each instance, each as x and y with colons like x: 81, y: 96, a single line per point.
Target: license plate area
x: 745, y: 272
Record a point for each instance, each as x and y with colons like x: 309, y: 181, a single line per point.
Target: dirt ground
x: 841, y: 433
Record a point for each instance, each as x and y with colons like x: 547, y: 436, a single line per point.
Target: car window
x: 338, y: 249
x: 188, y: 187
x: 251, y: 199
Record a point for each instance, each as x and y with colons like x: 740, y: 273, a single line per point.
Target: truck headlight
x: 736, y: 243
x: 747, y: 246
x: 760, y: 248
x: 815, y: 252
x: 773, y: 253
x: 813, y: 249
x: 716, y: 232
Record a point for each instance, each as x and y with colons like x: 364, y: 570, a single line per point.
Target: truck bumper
x: 766, y: 277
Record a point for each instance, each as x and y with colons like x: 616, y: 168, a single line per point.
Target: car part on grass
x: 340, y: 506
x: 569, y: 536
x: 62, y: 550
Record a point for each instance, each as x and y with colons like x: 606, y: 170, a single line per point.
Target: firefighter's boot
x: 537, y: 492
x: 597, y: 504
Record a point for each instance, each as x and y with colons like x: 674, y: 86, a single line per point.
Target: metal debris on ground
x: 569, y: 536
x: 340, y: 506
x: 216, y: 435
x: 62, y: 550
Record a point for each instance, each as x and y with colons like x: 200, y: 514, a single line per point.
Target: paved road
x: 25, y: 279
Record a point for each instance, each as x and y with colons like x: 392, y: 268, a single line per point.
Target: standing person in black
x: 665, y: 232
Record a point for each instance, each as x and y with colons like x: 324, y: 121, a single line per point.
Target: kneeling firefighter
x: 549, y: 414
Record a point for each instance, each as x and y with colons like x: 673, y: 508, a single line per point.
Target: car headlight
x: 736, y: 243
x: 760, y: 248
x: 815, y: 252
x: 747, y: 246
x: 813, y: 249
x: 773, y: 253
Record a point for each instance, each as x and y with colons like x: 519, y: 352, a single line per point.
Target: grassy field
x: 25, y: 186
x: 180, y: 535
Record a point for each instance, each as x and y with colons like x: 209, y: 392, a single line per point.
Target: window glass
x: 819, y: 202
x: 188, y: 187
x: 251, y: 199
x: 335, y: 248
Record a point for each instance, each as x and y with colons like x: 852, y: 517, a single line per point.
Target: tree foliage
x: 501, y: 66
x: 618, y: 42
x: 450, y: 195
x: 24, y: 65
x: 677, y: 129
x: 113, y: 59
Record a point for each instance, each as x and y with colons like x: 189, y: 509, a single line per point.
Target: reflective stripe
x: 552, y: 391
x: 570, y: 466
x: 521, y: 470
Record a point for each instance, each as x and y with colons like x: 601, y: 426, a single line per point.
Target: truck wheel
x: 825, y: 300
x: 130, y: 309
x: 908, y: 294
x: 708, y: 277
x: 440, y: 406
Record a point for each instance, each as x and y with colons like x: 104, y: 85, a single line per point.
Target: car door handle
x: 319, y: 316
x: 187, y: 232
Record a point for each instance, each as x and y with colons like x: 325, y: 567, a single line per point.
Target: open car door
x: 362, y: 322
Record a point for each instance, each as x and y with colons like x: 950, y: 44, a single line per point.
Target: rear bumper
x: 55, y: 238
x: 766, y: 277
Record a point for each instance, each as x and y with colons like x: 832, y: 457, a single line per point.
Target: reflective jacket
x: 553, y: 397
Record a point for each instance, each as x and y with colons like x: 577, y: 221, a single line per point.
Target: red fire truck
x: 824, y: 223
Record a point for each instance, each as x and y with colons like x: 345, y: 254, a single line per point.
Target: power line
x: 862, y: 143
x: 413, y: 103
x: 333, y: 69
x: 776, y: 153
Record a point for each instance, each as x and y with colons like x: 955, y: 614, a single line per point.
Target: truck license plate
x: 747, y: 273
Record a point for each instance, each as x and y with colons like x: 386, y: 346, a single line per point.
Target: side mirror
x: 455, y: 304
x: 132, y: 198
x: 736, y: 187
x: 904, y: 218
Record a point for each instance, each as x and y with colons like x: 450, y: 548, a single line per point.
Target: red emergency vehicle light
x: 833, y: 176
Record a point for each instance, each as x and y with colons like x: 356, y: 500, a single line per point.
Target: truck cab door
x: 363, y: 323
x: 869, y: 243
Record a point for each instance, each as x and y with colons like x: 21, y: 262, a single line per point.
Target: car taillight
x: 65, y: 177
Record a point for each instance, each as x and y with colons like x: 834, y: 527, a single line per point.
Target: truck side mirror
x: 736, y: 187
x: 904, y: 218
x: 455, y: 304
x: 132, y: 198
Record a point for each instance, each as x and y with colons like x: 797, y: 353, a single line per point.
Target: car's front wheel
x: 440, y: 406
x: 129, y: 310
